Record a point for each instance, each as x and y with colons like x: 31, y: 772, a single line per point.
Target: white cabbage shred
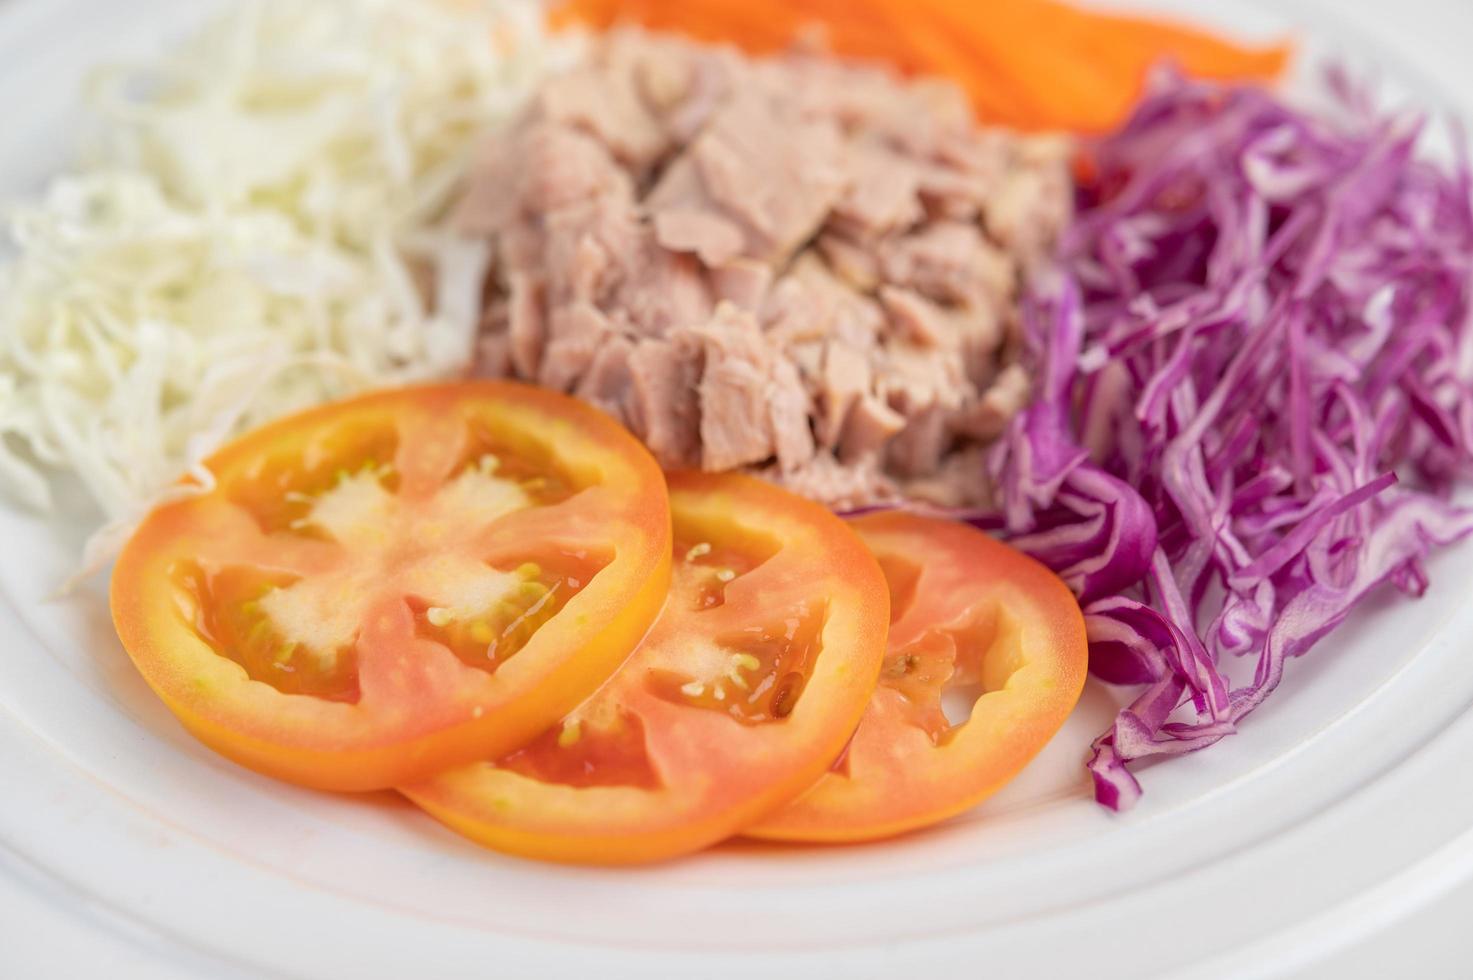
x: 256, y: 229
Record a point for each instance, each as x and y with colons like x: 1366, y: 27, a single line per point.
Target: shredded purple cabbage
x: 1253, y: 400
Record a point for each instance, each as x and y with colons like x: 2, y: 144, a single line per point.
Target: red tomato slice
x: 968, y: 615
x: 746, y: 688
x: 381, y: 588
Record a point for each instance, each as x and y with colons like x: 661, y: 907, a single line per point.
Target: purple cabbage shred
x: 1253, y: 397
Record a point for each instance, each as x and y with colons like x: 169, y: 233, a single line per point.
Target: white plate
x: 1341, y: 807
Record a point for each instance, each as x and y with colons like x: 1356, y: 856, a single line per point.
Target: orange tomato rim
x: 918, y: 783
x: 716, y: 775
x: 332, y: 745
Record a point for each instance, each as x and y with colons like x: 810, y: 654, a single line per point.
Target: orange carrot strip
x: 1035, y: 64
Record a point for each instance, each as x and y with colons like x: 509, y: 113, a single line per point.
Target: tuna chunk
x: 868, y: 427
x: 788, y: 410
x: 812, y: 303
x: 960, y: 481
x: 987, y: 417
x: 917, y: 320
x: 545, y: 169
x: 744, y: 283
x: 576, y: 334
x: 846, y: 378
x: 714, y: 239
x: 525, y: 329
x: 950, y: 262
x: 1032, y: 203
x: 662, y: 291
x: 607, y: 105
x: 736, y: 417
x: 917, y: 449
x: 883, y: 194
x: 666, y: 412
x: 761, y: 168
x: 609, y: 380
x: 853, y: 262
x: 493, y: 356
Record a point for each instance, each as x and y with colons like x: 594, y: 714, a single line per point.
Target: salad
x: 623, y: 426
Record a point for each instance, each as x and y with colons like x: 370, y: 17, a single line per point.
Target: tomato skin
x: 898, y: 777
x: 709, y: 775
x: 421, y: 709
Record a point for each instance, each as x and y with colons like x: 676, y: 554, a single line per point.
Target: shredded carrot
x: 1031, y: 64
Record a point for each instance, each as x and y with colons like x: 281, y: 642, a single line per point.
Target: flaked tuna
x: 795, y: 265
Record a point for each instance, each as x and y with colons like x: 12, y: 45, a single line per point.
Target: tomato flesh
x: 973, y: 620
x: 230, y: 619
x: 381, y: 588
x: 746, y: 687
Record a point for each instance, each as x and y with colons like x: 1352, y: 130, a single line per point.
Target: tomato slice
x: 969, y: 616
x: 381, y: 588
x: 745, y: 689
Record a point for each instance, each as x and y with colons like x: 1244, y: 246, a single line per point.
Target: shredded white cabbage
x: 254, y: 230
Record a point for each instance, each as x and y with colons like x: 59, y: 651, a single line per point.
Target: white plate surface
x: 1339, y: 810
